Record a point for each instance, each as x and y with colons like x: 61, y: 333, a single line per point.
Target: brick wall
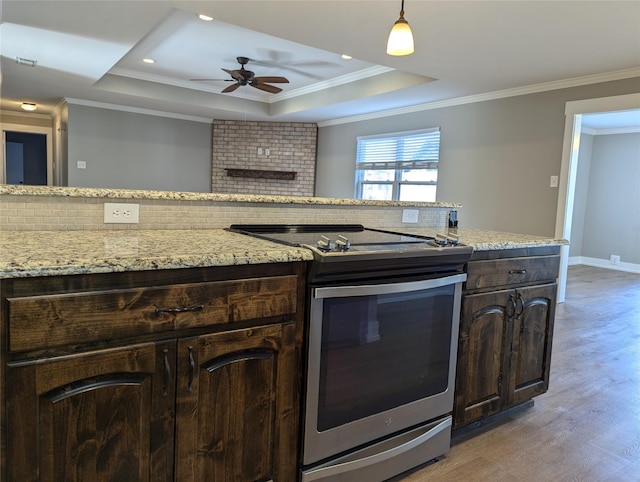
x: 291, y: 145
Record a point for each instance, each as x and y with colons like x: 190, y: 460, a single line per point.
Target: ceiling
x: 90, y: 52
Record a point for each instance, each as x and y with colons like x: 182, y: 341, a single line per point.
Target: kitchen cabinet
x: 182, y: 375
x: 506, y: 330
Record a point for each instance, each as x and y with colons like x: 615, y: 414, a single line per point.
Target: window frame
x: 398, y: 166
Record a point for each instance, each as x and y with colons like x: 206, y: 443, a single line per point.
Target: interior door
x: 27, y: 155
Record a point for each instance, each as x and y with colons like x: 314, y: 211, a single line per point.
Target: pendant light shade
x: 400, y: 39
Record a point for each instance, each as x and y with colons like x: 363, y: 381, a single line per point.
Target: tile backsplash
x: 24, y: 212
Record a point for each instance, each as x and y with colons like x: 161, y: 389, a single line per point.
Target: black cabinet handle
x: 520, y: 304
x: 184, y: 309
x: 511, y: 308
x: 518, y: 271
x: 192, y: 369
x: 167, y: 373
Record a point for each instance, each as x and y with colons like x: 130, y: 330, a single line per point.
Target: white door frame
x: 48, y: 131
x: 573, y: 123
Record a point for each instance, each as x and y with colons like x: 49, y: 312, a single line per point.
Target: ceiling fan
x: 242, y: 76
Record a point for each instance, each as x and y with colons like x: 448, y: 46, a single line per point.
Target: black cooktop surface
x: 309, y: 234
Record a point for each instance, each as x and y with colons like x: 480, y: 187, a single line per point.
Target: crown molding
x: 137, y: 110
x: 613, y: 130
x: 327, y: 84
x: 29, y: 115
x: 500, y: 94
x: 317, y: 87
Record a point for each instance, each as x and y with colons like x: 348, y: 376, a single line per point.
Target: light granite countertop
x: 80, y: 192
x: 487, y: 240
x: 48, y: 253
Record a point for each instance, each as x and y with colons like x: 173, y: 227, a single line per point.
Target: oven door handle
x: 388, y: 288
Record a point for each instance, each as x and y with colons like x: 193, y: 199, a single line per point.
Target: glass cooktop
x: 309, y: 235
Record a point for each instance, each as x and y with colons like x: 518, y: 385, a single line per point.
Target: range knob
x: 324, y: 243
x: 441, y: 240
x: 343, y: 243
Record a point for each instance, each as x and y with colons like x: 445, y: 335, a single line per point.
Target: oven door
x: 381, y: 359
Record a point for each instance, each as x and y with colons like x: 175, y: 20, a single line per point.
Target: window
x: 398, y: 167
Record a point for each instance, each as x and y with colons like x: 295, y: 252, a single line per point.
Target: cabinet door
x: 102, y: 416
x: 237, y: 405
x: 533, y: 330
x: 483, y: 355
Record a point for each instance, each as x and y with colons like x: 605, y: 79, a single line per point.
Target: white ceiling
x: 91, y: 51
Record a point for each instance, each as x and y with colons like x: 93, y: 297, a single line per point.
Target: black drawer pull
x: 192, y: 368
x: 167, y: 373
x: 517, y: 271
x: 184, y: 309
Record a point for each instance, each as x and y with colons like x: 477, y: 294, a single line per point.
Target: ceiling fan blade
x: 235, y: 74
x: 273, y: 80
x: 231, y: 88
x: 212, y: 80
x: 267, y: 88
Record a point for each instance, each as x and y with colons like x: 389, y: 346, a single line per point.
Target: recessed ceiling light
x: 346, y: 57
x: 28, y: 106
x: 204, y: 17
x: 149, y: 61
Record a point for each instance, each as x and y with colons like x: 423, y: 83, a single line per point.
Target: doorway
x: 26, y: 155
x: 26, y: 158
x: 574, y: 111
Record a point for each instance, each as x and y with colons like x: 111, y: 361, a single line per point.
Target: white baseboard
x: 604, y: 263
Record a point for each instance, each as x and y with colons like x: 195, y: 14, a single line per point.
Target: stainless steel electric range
x: 382, y: 326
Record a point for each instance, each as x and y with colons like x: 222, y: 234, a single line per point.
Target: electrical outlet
x: 615, y: 259
x: 410, y: 215
x: 554, y: 181
x: 121, y: 213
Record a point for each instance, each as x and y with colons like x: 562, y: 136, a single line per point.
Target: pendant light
x: 400, y: 39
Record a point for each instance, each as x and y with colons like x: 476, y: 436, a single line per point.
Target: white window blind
x: 401, y: 166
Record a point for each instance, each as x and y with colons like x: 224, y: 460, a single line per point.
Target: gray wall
x: 496, y: 158
x: 581, y: 194
x: 126, y: 150
x: 612, y: 220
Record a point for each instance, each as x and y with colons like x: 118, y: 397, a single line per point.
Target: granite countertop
x: 48, y: 253
x: 80, y: 192
x: 487, y: 240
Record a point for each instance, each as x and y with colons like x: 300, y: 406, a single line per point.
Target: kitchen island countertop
x: 47, y: 253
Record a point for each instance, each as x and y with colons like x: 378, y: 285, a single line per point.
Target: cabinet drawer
x: 46, y: 321
x: 497, y: 273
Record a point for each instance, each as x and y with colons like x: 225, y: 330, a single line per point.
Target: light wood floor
x: 587, y: 426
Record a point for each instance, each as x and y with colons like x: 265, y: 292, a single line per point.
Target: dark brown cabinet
x: 506, y: 329
x: 103, y: 415
x: 235, y: 406
x: 201, y: 380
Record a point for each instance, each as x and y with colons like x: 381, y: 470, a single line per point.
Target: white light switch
x: 554, y: 181
x: 82, y: 164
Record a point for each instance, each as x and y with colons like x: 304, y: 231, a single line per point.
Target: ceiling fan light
x: 28, y: 106
x: 400, y: 39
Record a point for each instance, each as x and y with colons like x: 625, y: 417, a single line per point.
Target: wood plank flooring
x: 587, y: 426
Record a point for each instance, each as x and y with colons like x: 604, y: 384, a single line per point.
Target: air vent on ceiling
x: 27, y: 62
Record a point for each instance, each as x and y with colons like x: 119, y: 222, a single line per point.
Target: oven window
x: 380, y: 352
